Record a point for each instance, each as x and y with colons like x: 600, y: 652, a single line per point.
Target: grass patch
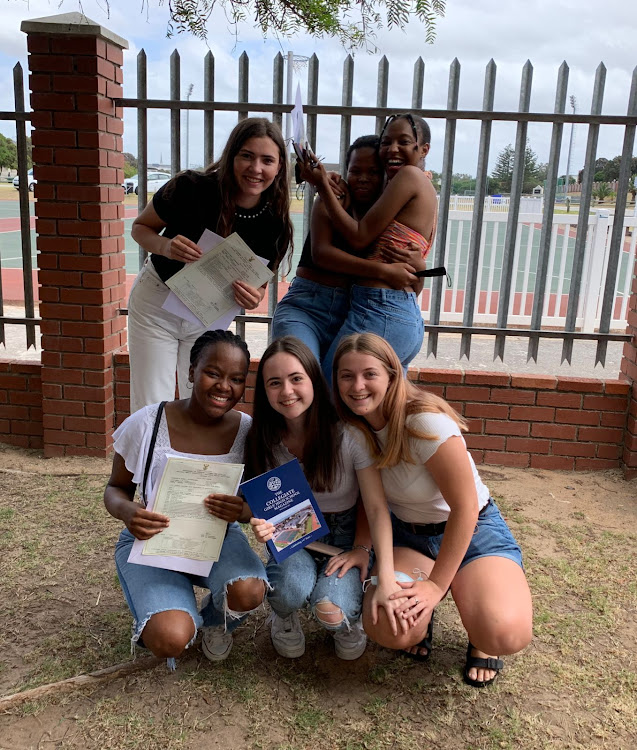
x: 64, y: 614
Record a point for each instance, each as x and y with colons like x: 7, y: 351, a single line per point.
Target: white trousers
x: 159, y: 343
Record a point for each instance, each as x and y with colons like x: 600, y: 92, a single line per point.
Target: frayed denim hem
x: 334, y: 627
x: 234, y: 615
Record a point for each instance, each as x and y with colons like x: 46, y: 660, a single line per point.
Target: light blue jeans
x: 300, y: 579
x: 391, y: 313
x: 151, y: 590
x: 312, y: 312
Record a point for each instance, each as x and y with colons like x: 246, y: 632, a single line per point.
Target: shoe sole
x: 211, y: 656
x: 289, y: 652
x: 350, y: 654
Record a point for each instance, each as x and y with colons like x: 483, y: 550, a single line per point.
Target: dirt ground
x: 62, y: 614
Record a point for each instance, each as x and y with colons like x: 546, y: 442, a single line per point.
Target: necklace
x: 240, y: 215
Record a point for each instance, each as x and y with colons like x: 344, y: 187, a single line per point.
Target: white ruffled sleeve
x: 131, y: 440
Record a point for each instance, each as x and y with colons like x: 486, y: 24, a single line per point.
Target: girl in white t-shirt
x: 294, y: 417
x: 448, y: 532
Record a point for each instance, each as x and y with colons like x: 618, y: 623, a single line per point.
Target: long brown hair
x: 401, y: 400
x: 277, y: 195
x: 321, y: 453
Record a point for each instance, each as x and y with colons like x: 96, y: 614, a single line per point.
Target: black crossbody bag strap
x: 151, y: 449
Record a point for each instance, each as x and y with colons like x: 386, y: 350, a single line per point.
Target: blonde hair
x: 401, y: 401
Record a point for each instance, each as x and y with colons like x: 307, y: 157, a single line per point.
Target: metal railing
x: 539, y: 265
x: 21, y: 117
x: 541, y: 297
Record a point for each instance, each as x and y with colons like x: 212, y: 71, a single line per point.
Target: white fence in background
x: 529, y: 204
x: 525, y: 260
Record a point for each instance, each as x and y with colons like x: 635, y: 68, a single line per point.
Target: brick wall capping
x: 71, y: 24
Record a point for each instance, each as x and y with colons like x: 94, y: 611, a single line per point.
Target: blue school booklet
x: 283, y: 497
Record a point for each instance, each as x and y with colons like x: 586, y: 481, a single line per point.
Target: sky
x: 546, y: 32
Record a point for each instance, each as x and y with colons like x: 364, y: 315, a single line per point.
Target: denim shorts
x: 312, y: 312
x: 491, y: 538
x: 151, y: 590
x: 390, y: 313
x: 300, y: 579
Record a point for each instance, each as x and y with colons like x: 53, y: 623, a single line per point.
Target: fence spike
x: 418, y: 85
x: 244, y: 74
x: 585, y: 203
x: 209, y: 114
x: 142, y: 145
x: 517, y: 185
x: 443, y: 210
x: 617, y: 233
x: 381, y: 90
x: 346, y: 100
x: 23, y: 196
x: 547, y: 217
x: 475, y: 239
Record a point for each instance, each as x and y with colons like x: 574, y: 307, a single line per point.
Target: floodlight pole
x: 573, y: 102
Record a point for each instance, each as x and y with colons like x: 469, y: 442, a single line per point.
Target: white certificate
x: 193, y: 540
x: 205, y: 286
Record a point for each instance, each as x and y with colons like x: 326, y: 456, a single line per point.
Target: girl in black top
x: 245, y: 191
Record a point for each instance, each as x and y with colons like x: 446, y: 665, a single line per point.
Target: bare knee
x: 513, y: 639
x: 168, y: 633
x: 504, y: 637
x: 328, y: 614
x: 246, y: 595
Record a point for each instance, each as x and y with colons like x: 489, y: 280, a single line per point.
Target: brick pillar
x: 629, y: 371
x: 76, y: 71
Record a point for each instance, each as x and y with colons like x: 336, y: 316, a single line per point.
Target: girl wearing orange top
x: 403, y: 217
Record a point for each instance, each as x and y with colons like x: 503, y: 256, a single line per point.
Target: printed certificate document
x: 283, y: 497
x: 193, y: 540
x: 205, y: 286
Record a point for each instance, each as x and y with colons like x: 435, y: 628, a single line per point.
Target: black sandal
x: 480, y: 663
x: 427, y: 642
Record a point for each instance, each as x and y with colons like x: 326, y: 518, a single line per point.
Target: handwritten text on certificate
x: 205, y: 286
x: 193, y: 532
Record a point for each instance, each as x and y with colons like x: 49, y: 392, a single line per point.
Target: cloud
x: 543, y: 31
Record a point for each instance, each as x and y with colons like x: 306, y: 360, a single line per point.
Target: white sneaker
x: 216, y: 643
x: 287, y: 635
x: 350, y: 645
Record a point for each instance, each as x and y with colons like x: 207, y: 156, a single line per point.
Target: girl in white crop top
x: 446, y: 527
x: 294, y: 417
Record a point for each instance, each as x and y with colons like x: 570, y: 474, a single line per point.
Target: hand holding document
x: 205, y: 286
x: 194, y: 537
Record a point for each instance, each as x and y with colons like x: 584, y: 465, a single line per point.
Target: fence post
x: 595, y: 269
x: 76, y: 72
x: 628, y: 370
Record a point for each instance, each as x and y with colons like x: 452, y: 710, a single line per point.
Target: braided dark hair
x: 217, y: 337
x: 420, y: 128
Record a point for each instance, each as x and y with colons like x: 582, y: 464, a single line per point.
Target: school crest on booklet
x: 283, y: 497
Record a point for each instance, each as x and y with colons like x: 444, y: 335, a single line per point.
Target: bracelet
x: 362, y: 546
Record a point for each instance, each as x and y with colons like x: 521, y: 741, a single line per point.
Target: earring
x: 189, y: 384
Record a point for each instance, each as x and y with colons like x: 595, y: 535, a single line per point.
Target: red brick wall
x: 78, y: 162
x: 544, y: 422
x: 536, y: 421
x: 20, y: 403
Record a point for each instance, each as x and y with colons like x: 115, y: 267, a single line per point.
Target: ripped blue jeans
x: 152, y: 590
x: 300, y: 579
